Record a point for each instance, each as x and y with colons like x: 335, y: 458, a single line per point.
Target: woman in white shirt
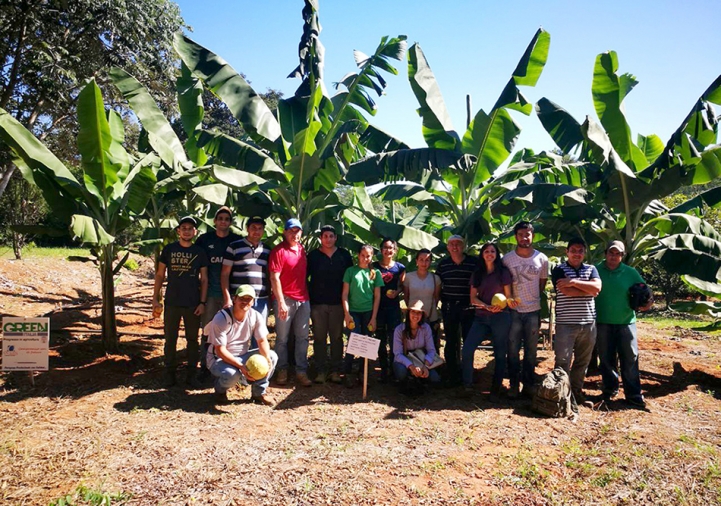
x: 425, y: 286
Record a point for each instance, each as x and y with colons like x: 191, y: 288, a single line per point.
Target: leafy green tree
x: 49, y: 48
x: 115, y: 188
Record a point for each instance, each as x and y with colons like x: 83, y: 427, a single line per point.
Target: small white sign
x: 25, y: 344
x: 363, y: 346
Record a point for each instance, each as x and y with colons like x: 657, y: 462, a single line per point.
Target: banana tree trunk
x: 109, y: 328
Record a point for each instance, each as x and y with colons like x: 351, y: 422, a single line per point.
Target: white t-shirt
x: 423, y: 289
x: 526, y: 273
x: 236, y: 337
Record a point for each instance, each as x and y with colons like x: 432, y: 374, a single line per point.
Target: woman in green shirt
x: 361, y: 297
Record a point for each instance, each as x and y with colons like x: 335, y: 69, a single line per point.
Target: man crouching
x: 230, y: 334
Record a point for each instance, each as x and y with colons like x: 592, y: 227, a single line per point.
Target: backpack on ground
x: 553, y: 397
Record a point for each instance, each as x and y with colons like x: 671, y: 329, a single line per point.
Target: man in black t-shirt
x: 326, y: 266
x: 185, y: 296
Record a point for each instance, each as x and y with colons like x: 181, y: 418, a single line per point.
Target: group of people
x: 223, y: 283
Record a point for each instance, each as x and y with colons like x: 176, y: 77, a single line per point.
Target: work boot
x: 514, y: 392
x: 335, y: 378
x: 169, y: 378
x: 221, y: 398
x: 191, y: 379
x: 320, y: 378
x: 303, y: 380
x: 263, y: 399
x: 281, y: 377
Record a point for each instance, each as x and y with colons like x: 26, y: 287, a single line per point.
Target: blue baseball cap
x: 293, y: 223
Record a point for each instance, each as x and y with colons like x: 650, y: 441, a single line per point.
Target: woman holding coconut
x: 492, y: 319
x: 360, y: 298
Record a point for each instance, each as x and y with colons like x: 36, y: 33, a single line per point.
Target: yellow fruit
x: 257, y: 366
x: 389, y: 293
x: 351, y: 325
x: 499, y: 300
x: 371, y: 328
x: 157, y: 311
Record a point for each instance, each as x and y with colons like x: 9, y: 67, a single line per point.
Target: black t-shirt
x: 325, y: 275
x: 183, y: 266
x: 456, y: 278
x: 215, y: 247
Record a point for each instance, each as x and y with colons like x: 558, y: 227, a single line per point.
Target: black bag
x: 553, y: 397
x: 639, y: 295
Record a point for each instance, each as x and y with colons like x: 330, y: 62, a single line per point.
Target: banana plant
x: 314, y: 138
x: 619, y: 183
x: 115, y: 188
x: 457, y: 172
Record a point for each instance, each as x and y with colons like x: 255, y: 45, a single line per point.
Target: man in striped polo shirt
x: 455, y: 272
x: 576, y: 284
x: 246, y: 263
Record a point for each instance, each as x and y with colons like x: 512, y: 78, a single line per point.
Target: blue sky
x: 672, y: 47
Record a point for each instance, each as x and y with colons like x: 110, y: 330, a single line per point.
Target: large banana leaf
x: 690, y: 254
x: 408, y: 237
x: 60, y: 189
x: 438, y: 131
x: 561, y: 126
x: 233, y: 152
x: 358, y: 85
x: 243, y: 102
x: 170, y: 149
x: 418, y: 165
x: 192, y: 111
x: 89, y: 231
x: 608, y: 90
x: 103, y: 157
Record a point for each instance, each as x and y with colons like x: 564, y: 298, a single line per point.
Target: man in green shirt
x: 616, y: 326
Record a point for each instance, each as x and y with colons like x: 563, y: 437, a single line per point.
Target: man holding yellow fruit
x: 529, y: 268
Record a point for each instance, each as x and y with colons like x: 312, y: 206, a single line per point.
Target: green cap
x: 245, y: 290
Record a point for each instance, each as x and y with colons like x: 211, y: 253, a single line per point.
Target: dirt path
x: 103, y: 423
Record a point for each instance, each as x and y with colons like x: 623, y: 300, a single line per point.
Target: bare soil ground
x: 101, y: 423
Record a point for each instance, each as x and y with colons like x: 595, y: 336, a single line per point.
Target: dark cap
x: 255, y: 220
x: 188, y: 219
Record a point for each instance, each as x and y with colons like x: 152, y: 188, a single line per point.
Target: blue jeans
x: 261, y: 305
x: 401, y: 373
x: 523, y: 333
x: 226, y: 375
x: 457, y: 323
x: 299, y: 319
x: 619, y: 342
x: 496, y: 326
x: 389, y: 317
x: 575, y: 341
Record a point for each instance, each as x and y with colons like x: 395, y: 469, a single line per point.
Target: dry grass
x: 100, y: 427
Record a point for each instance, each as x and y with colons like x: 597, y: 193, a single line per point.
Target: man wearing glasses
x: 577, y: 284
x: 215, y: 242
x: 231, y: 331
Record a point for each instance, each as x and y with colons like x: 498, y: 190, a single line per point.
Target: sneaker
x: 335, y: 378
x: 303, y: 380
x: 221, y: 398
x: 527, y: 392
x: 263, y: 399
x: 281, y: 377
x: 169, y: 378
x: 320, y: 378
x: 514, y: 392
x: 638, y: 402
x: 349, y: 380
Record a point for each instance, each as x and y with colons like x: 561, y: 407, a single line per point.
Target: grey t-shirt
x: 526, y: 273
